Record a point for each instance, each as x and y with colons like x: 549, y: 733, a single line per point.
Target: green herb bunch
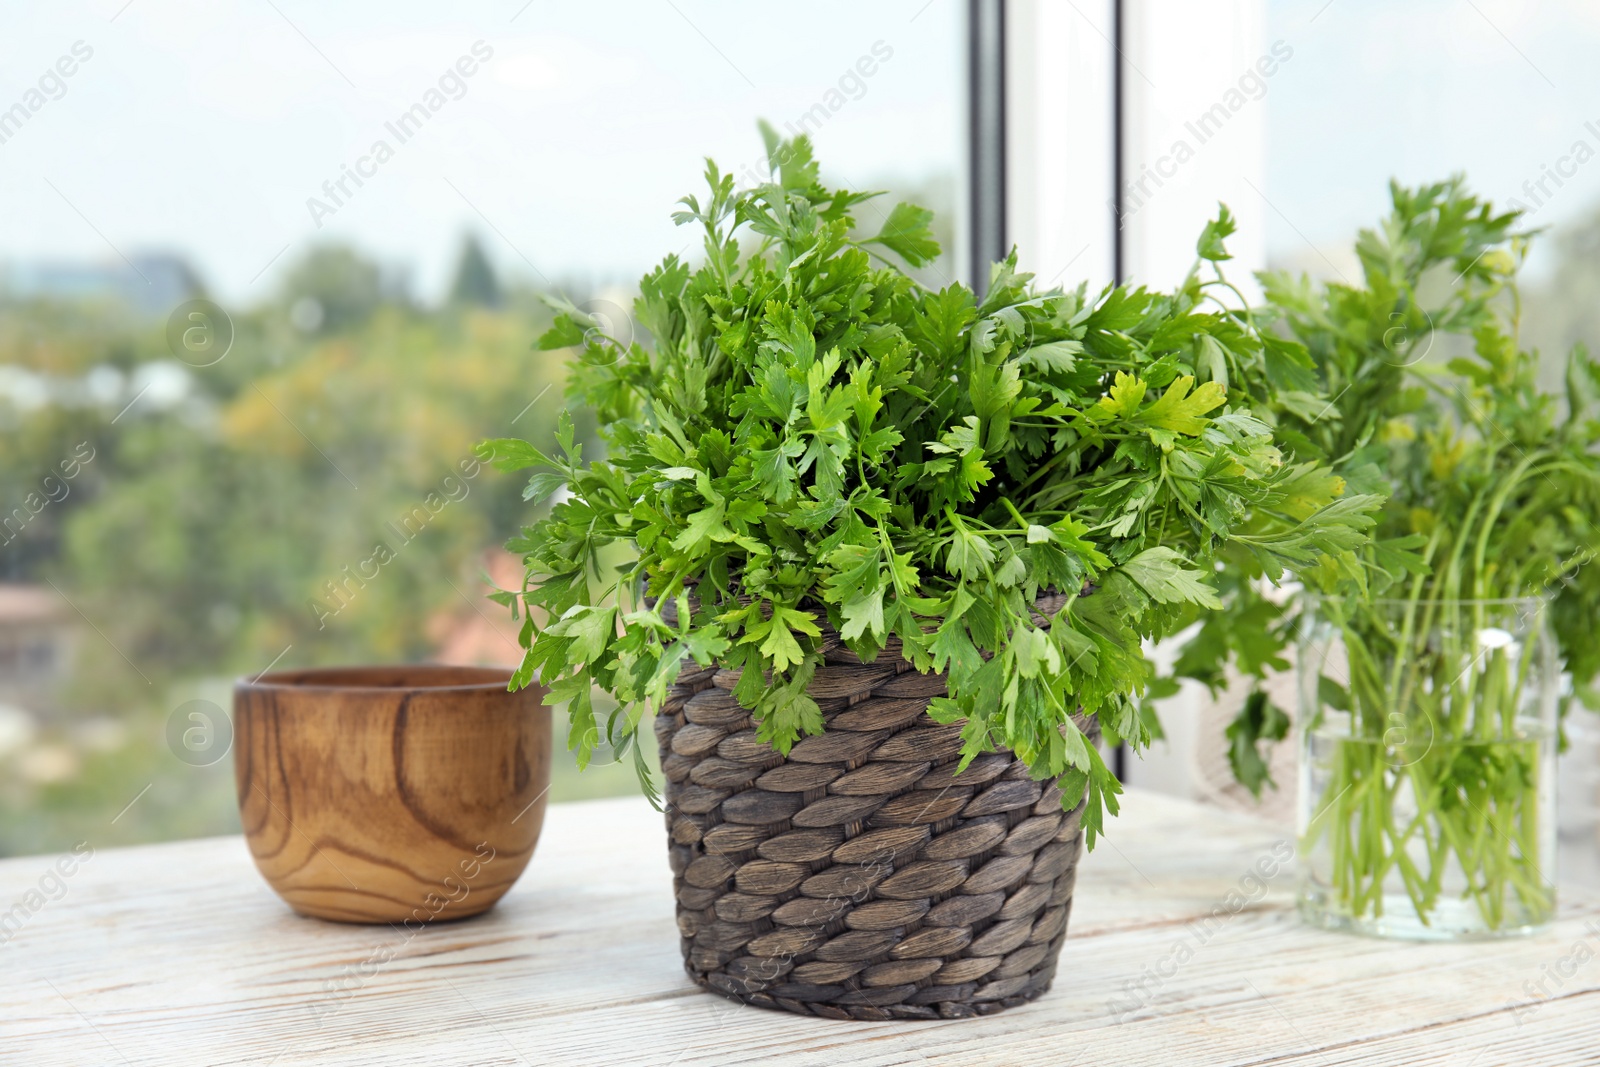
x: 1425, y: 746
x: 1493, y: 481
x: 812, y: 439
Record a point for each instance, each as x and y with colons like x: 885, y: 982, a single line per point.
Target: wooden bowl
x: 390, y: 794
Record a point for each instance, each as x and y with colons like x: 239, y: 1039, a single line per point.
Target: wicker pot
x: 861, y: 877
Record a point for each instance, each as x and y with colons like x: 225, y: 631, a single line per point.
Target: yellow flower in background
x: 1443, y: 460
x: 1397, y: 431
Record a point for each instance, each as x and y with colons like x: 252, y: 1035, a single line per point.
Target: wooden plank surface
x: 1180, y: 953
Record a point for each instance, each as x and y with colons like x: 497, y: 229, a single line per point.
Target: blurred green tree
x: 314, y: 491
x: 476, y: 281
x: 334, y: 288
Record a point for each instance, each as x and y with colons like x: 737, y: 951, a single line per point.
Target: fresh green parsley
x: 813, y: 438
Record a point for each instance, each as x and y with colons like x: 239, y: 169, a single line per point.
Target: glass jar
x: 1428, y: 767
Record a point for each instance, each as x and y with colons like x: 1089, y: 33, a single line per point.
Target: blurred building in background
x: 150, y: 284
x: 38, y: 638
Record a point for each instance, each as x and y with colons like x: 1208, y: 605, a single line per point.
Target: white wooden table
x: 179, y: 954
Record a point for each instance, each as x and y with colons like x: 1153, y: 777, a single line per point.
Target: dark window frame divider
x: 987, y: 237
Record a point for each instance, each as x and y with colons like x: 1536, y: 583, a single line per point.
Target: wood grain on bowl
x: 391, y: 794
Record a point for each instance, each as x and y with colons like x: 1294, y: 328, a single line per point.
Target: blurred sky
x: 1497, y: 88
x: 204, y: 127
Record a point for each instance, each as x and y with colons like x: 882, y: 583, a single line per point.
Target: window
x: 257, y: 304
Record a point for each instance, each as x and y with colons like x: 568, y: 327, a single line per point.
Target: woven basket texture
x: 861, y: 877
